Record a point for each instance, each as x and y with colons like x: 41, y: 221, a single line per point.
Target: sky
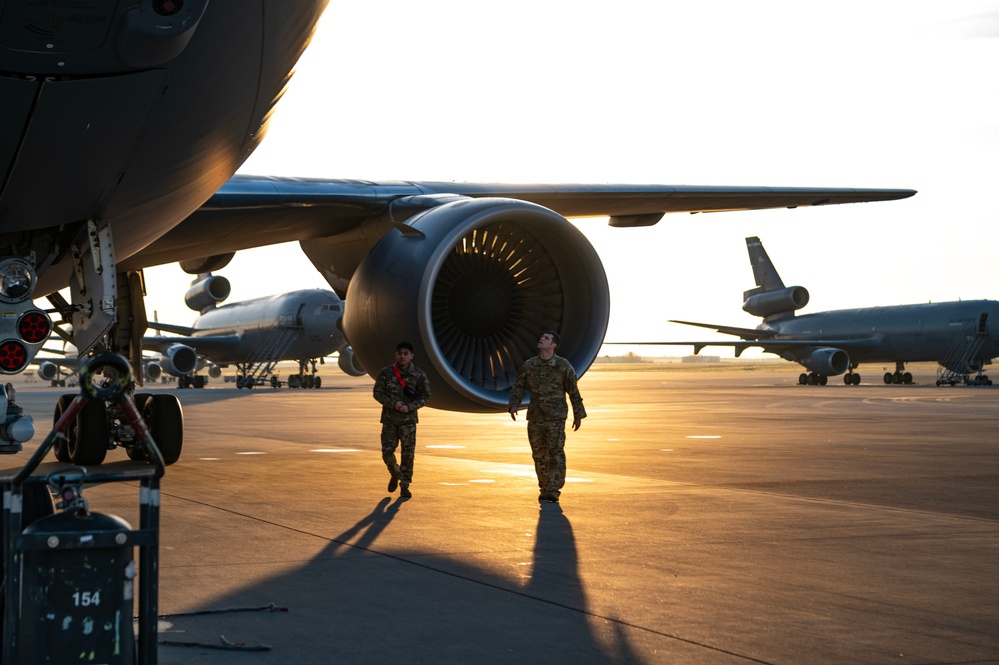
x: 783, y: 93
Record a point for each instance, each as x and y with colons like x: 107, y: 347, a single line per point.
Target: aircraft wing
x: 70, y: 363
x: 251, y: 211
x: 207, y: 345
x: 414, y: 254
x: 775, y: 345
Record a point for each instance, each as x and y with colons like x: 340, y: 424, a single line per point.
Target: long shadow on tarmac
x: 355, y: 604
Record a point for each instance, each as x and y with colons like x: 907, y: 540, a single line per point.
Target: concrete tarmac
x: 709, y: 517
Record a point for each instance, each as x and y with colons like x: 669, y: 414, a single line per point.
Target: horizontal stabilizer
x: 170, y: 328
x: 745, y: 333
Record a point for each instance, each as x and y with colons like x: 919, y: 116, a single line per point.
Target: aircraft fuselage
x: 310, y: 319
x: 905, y: 333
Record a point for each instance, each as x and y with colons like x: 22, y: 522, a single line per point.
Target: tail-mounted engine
x: 207, y: 293
x: 772, y: 303
x: 472, y: 284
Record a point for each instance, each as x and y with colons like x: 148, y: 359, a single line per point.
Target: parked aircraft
x: 254, y: 335
x: 138, y: 116
x: 60, y: 370
x: 954, y: 334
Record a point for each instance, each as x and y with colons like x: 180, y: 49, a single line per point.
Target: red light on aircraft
x: 13, y: 356
x: 34, y: 327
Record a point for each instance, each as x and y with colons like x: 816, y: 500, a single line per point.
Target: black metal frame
x: 146, y: 538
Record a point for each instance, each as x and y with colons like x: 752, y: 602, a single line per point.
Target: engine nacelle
x: 348, y: 362
x: 152, y: 370
x: 472, y: 284
x: 783, y: 301
x: 207, y: 293
x: 827, y: 361
x: 48, y: 371
x: 179, y: 360
x: 214, y: 371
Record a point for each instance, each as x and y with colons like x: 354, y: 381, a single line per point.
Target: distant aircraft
x: 954, y: 334
x: 254, y: 335
x: 60, y: 370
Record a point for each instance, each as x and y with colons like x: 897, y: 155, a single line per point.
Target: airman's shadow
x: 355, y: 603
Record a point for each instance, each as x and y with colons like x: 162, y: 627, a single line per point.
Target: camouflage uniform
x: 548, y: 381
x: 398, y: 427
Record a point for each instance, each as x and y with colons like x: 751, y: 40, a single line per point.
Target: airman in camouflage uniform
x: 401, y: 389
x: 549, y: 378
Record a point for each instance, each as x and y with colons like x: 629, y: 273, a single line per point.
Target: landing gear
x: 899, y: 376
x: 812, y: 379
x: 851, y: 378
x: 196, y: 381
x: 101, y: 426
x: 304, y: 379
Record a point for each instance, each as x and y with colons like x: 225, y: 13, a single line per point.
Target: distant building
x: 700, y: 359
x: 627, y: 358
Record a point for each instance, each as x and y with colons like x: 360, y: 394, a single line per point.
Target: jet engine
x: 827, y: 361
x: 207, y: 293
x: 48, y: 371
x: 214, y: 371
x: 348, y: 362
x: 153, y: 370
x: 179, y: 360
x: 473, y: 283
x: 776, y: 302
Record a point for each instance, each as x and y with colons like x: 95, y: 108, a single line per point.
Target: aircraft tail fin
x: 766, y: 275
x: 770, y: 299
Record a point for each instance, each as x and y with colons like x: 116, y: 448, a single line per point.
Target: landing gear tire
x: 165, y: 420
x: 815, y: 379
x: 135, y: 452
x: 888, y: 378
x: 907, y: 378
x: 89, y: 444
x: 319, y: 382
x: 61, y: 447
x: 802, y: 379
